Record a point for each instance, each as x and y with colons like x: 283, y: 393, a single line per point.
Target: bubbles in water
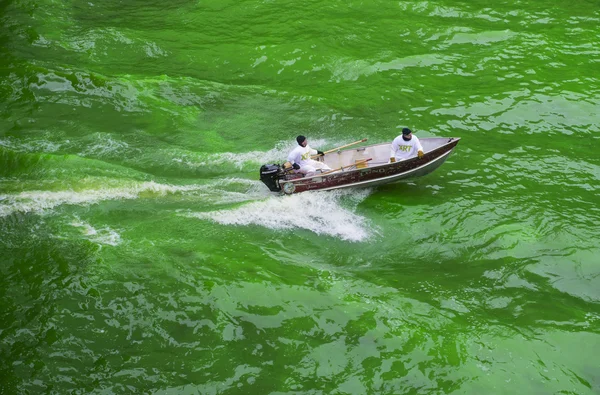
x: 320, y: 212
x: 39, y: 145
x: 37, y: 201
x: 221, y: 191
x: 104, y: 236
x: 104, y: 145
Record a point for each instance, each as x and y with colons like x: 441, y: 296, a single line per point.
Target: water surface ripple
x: 139, y: 252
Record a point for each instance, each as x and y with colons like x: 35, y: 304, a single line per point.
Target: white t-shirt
x: 405, y: 149
x: 301, y: 155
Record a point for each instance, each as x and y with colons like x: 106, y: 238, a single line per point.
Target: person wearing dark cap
x: 301, y: 161
x: 406, y: 146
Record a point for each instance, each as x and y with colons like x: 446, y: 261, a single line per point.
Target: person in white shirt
x: 405, y: 146
x: 301, y: 161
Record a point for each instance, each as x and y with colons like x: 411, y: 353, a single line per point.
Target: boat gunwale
x: 376, y: 180
x: 451, y: 140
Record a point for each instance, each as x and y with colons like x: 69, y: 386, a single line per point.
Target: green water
x: 139, y: 253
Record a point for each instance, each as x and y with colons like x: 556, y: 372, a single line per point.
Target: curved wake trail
x: 37, y: 201
x: 277, y: 154
x: 323, y: 213
x: 223, y: 191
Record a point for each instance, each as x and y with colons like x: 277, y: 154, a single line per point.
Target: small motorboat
x: 359, y: 167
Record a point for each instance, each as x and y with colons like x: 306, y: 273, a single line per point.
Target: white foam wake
x: 320, y: 212
x: 39, y: 145
x: 233, y: 190
x: 105, y: 145
x: 37, y: 201
x: 104, y: 236
x: 218, y: 191
x: 277, y: 154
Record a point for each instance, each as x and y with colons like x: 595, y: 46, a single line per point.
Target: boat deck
x: 379, y: 153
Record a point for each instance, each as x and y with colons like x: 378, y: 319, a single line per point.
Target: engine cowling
x: 269, y: 175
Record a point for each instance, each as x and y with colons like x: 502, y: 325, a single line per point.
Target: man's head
x: 302, y: 140
x: 406, y: 134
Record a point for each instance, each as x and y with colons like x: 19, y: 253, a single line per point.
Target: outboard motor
x: 269, y: 175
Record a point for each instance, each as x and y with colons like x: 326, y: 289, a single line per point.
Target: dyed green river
x: 139, y: 252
